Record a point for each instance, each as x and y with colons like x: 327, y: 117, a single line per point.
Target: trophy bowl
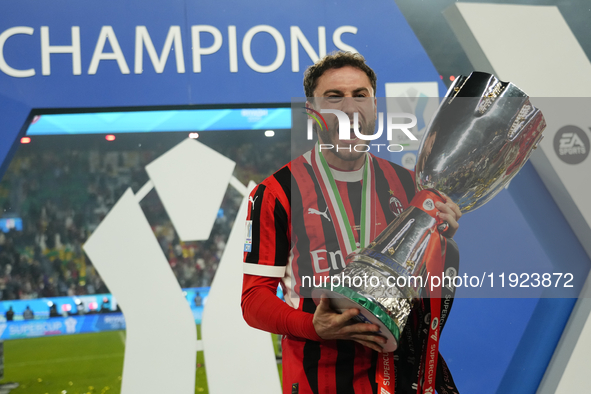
x: 481, y: 135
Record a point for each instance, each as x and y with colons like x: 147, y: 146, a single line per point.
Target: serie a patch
x: 248, y: 236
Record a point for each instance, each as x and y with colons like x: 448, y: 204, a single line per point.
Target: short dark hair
x: 336, y: 59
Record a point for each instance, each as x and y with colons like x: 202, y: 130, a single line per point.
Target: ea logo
x: 451, y: 272
x: 434, y: 323
x: 571, y: 144
x: 395, y: 206
x: 428, y: 204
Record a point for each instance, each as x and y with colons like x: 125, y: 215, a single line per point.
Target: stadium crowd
x: 62, y: 196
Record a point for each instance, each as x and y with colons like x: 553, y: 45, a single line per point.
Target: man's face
x: 349, y: 90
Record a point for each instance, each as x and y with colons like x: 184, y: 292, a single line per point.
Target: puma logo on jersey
x: 252, y: 201
x: 317, y: 212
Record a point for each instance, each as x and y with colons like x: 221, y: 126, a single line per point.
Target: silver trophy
x: 479, y: 138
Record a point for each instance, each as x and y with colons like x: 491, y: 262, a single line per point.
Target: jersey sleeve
x: 268, y: 239
x: 263, y: 310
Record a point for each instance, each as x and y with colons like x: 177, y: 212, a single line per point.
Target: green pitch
x: 75, y: 364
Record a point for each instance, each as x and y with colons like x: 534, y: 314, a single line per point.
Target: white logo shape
x: 452, y: 273
x: 252, y: 201
x: 428, y: 204
x: 316, y: 212
x: 70, y: 325
x: 569, y: 140
x: 434, y: 323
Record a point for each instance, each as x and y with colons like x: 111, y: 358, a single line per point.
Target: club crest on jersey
x: 395, y: 206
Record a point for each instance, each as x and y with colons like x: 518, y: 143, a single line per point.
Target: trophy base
x: 342, y: 298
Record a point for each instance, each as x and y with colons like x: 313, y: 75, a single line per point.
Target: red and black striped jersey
x: 291, y: 236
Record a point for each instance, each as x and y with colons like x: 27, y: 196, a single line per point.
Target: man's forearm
x: 262, y: 309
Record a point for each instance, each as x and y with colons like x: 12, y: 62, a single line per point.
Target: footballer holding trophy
x: 479, y: 138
